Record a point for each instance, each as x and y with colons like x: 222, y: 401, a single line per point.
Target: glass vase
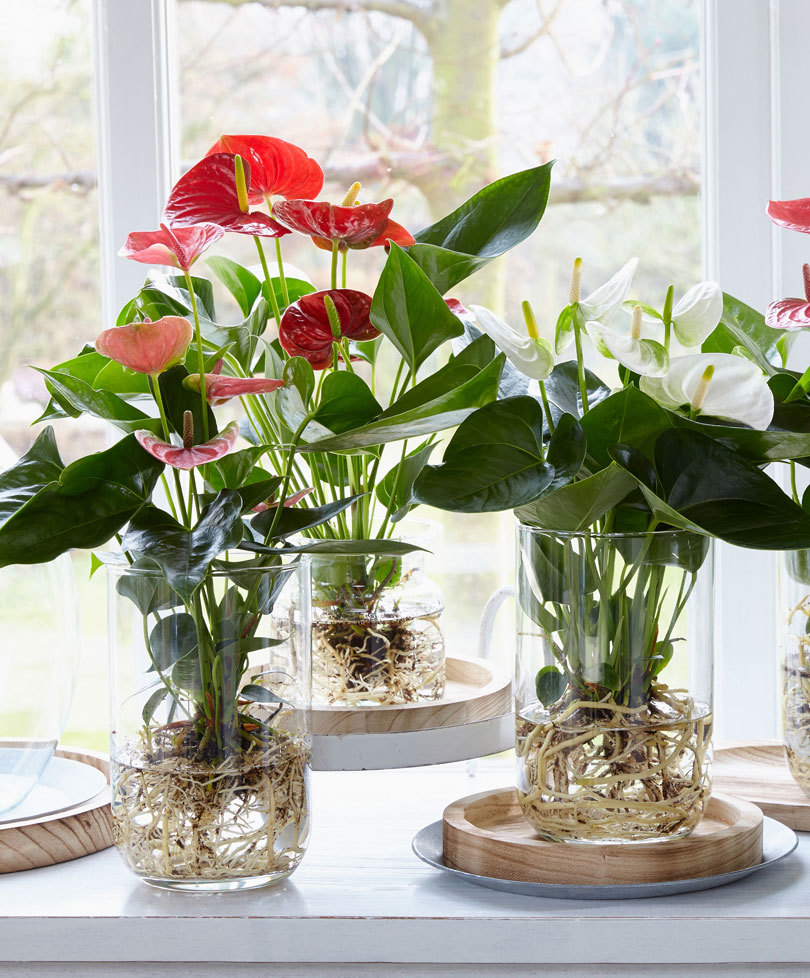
x: 613, y: 683
x: 39, y: 657
x: 377, y: 635
x: 794, y: 614
x: 210, y: 738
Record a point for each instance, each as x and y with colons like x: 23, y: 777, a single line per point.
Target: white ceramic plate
x: 778, y: 841
x: 64, y: 784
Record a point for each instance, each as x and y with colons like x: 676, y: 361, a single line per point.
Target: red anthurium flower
x: 457, y: 308
x: 180, y: 248
x: 272, y: 503
x: 276, y: 167
x: 219, y: 389
x: 147, y: 347
x: 208, y: 194
x: 793, y: 214
x: 305, y: 329
x: 192, y: 456
x: 357, y: 226
x: 791, y: 313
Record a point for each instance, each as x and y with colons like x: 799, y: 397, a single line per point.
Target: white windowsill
x: 362, y: 896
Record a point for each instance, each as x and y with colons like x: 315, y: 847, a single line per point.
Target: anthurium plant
x: 177, y: 491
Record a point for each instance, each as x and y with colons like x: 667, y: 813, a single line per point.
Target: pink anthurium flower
x: 272, y: 502
x: 793, y: 214
x: 456, y: 306
x: 306, y: 331
x: 276, y: 167
x: 352, y: 226
x: 180, y: 247
x: 791, y: 313
x: 147, y: 347
x: 219, y: 389
x: 188, y: 456
x: 208, y: 194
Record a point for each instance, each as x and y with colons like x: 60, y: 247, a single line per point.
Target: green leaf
x: 40, y: 465
x: 346, y: 402
x: 172, y: 638
x: 236, y: 469
x: 184, y: 555
x: 487, y: 225
x: 578, y: 505
x: 341, y: 548
x: 562, y: 388
x: 398, y: 482
x: 148, y: 591
x: 178, y: 399
x: 299, y: 373
x: 740, y: 325
x: 406, y: 419
x: 629, y: 417
x: 238, y: 280
x: 495, y: 460
x: 408, y: 310
x: 186, y: 672
x: 564, y: 330
x: 708, y: 488
x: 550, y: 685
x: 153, y: 703
x: 294, y: 519
x: 258, y: 694
x: 82, y: 397
x: 92, y: 499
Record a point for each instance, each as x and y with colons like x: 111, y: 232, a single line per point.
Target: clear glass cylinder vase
x: 210, y: 738
x: 377, y: 635
x: 39, y: 656
x: 613, y: 683
x: 794, y: 640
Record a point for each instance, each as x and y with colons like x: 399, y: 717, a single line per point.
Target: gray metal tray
x: 778, y: 841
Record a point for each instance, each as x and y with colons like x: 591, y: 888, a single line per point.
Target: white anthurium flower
x: 697, y: 313
x: 533, y: 356
x: 716, y: 384
x: 600, y: 306
x: 645, y: 357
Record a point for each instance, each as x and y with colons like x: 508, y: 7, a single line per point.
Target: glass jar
x: 794, y: 634
x: 39, y: 657
x: 613, y: 683
x: 377, y: 636
x: 210, y: 738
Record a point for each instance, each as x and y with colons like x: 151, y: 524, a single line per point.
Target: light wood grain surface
x: 476, y: 690
x: 79, y: 831
x: 759, y: 773
x: 486, y: 834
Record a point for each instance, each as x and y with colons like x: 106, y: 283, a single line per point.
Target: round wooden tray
x: 473, y: 718
x: 487, y: 835
x: 64, y: 835
x: 758, y: 772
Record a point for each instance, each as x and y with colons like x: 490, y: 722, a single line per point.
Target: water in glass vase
x: 602, y: 772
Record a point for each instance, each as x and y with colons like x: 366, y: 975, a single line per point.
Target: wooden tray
x: 758, y: 772
x: 487, y: 835
x: 69, y: 834
x: 473, y: 718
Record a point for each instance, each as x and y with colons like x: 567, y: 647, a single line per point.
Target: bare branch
x: 546, y: 21
x: 418, y: 16
x: 415, y: 167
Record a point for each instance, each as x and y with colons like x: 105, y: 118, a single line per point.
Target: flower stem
x: 583, y: 387
x: 343, y: 266
x: 285, y: 294
x: 271, y: 292
x: 198, y: 337
x: 167, y: 433
x: 335, y: 253
x: 793, y: 487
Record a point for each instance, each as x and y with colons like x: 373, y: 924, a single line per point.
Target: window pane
x: 427, y: 106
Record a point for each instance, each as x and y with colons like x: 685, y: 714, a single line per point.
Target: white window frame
x: 756, y: 146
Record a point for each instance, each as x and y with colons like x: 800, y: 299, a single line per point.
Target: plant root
x: 362, y: 661
x: 597, y: 771
x: 176, y: 818
x: 796, y: 698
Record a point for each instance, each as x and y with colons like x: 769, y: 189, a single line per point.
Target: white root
x: 178, y: 819
x: 384, y: 661
x: 601, y: 771
x: 796, y: 697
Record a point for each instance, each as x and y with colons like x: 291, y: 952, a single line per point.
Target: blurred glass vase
x: 38, y: 662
